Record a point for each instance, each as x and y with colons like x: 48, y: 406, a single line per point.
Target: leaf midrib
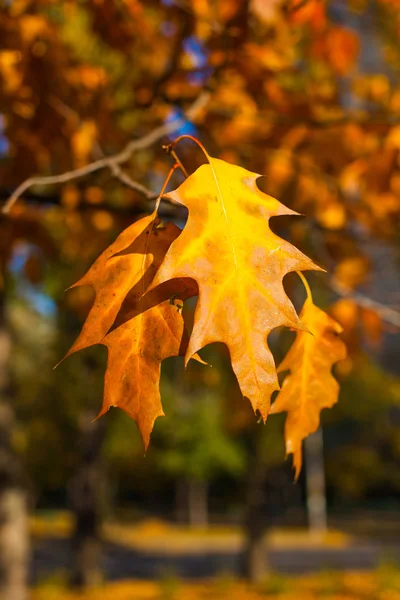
x: 246, y: 316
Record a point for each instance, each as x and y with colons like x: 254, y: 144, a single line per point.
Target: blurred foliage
x: 306, y: 94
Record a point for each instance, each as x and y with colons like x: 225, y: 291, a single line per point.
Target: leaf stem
x: 169, y: 149
x: 179, y: 162
x: 189, y: 137
x: 171, y: 172
x: 306, y: 285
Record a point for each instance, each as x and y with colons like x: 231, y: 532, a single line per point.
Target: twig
x: 131, y: 183
x: 388, y: 314
x: 113, y: 162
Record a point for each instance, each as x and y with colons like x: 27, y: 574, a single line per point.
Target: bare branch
x: 387, y: 314
x: 113, y: 162
x: 131, y: 183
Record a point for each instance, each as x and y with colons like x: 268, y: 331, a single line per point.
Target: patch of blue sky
x: 4, y: 144
x: 186, y: 129
x: 196, y: 50
x: 40, y: 301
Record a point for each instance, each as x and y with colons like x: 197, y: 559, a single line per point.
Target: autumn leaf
x: 310, y: 387
x: 145, y: 328
x: 151, y: 330
x: 238, y: 263
x: 112, y: 277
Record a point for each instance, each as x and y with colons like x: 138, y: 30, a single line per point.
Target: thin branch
x: 387, y: 314
x: 131, y: 183
x: 113, y: 162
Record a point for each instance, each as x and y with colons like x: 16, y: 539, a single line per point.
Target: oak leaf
x: 139, y: 329
x: 310, y: 386
x: 238, y: 263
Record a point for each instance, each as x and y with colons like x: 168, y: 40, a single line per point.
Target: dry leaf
x: 146, y: 328
x: 310, y: 386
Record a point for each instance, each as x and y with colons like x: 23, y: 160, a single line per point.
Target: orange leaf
x: 228, y: 248
x: 145, y: 328
x: 310, y: 387
x: 112, y: 277
x: 151, y: 330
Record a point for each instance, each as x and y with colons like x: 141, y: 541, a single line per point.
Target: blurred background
x: 304, y: 92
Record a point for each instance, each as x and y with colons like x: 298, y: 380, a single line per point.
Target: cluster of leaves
x: 227, y: 256
x: 306, y: 93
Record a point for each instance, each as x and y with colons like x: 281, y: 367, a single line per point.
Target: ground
x: 154, y: 560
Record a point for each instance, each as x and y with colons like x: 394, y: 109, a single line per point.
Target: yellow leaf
x: 238, y: 263
x: 10, y: 72
x: 310, y: 387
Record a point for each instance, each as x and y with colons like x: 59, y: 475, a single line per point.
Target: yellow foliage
x: 94, y: 195
x: 267, y: 11
x: 102, y: 220
x: 332, y: 216
x: 82, y: 141
x: 31, y: 26
x: 70, y: 196
x: 393, y: 138
x: 345, y: 311
x: 271, y: 57
x: 9, y: 70
x: 347, y: 585
x: 352, y: 271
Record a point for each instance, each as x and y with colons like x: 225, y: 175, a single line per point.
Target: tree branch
x: 387, y: 314
x: 113, y: 162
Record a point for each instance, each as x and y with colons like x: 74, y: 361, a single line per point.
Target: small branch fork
x: 113, y: 162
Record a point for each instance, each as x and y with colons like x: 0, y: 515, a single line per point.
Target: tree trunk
x: 14, y: 531
x: 255, y: 563
x: 86, y: 495
x: 315, y: 479
x: 198, y: 503
x: 180, y: 500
